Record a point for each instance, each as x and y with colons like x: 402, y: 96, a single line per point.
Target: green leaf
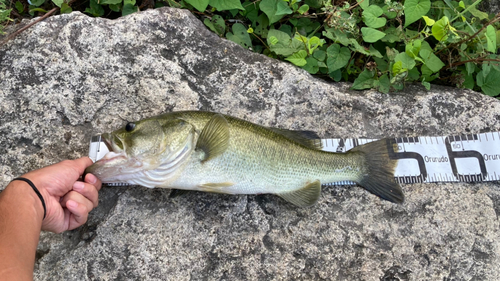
x: 311, y: 65
x: 95, y: 9
x: 303, y: 9
x: 371, y: 17
x: 110, y: 2
x: 475, y: 12
x: 314, y: 3
x: 337, y: 36
x: 470, y: 67
x: 129, y: 7
x: 374, y: 52
x: 313, y: 43
x: 37, y: 10
x: 469, y: 82
x: 413, y: 74
x: 371, y: 35
x: 415, y: 9
x: 382, y: 64
x: 355, y: 46
x: 320, y: 55
x: 393, y: 35
x: 428, y: 21
x: 284, y: 45
x: 58, y: 3
x: 270, y: 8
x: 489, y: 84
x: 413, y: 48
x: 200, y: 5
x: 384, y: 84
x: 427, y: 85
x: 440, y: 29
x: 391, y: 53
x: 115, y: 8
x: 65, y: 8
x: 491, y: 38
x: 37, y: 3
x: 397, y: 68
x: 283, y: 9
x: 431, y: 60
x: 407, y: 61
x: 19, y: 6
x: 222, y: 5
x: 240, y: 36
x: 216, y: 24
x: 338, y: 57
x: 389, y: 12
x: 272, y: 40
x: 261, y: 25
x: 298, y: 58
x: 364, y: 81
x: 364, y: 3
x: 336, y: 75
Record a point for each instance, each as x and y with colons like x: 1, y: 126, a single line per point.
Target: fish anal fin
x: 307, y: 138
x: 304, y: 197
x: 216, y: 187
x: 214, y: 137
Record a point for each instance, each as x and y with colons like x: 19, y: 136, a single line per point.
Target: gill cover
x: 147, y: 153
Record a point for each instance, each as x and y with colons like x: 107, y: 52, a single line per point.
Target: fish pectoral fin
x: 214, y: 137
x: 307, y: 138
x: 216, y: 187
x: 304, y: 197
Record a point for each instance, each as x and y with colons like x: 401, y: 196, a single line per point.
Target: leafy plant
x: 378, y: 44
x: 4, y: 15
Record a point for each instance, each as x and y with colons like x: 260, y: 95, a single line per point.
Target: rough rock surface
x: 73, y: 76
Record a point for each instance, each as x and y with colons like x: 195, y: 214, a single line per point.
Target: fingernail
x: 78, y: 186
x: 91, y: 178
x: 71, y: 204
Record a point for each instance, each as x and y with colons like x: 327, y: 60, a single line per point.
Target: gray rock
x: 73, y: 76
x: 490, y: 6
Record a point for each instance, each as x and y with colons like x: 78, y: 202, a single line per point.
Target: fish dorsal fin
x: 304, y: 197
x: 214, y: 137
x: 307, y: 138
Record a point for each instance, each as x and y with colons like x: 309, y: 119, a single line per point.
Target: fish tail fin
x: 378, y: 175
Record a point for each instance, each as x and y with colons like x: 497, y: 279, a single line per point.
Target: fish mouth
x: 116, y: 150
x: 116, y: 167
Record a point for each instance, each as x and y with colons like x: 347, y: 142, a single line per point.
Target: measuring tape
x: 465, y: 158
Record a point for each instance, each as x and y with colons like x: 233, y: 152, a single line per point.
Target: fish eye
x: 130, y: 126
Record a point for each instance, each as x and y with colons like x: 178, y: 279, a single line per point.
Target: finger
x: 87, y: 190
x: 78, y: 214
x: 79, y: 198
x: 82, y: 163
x: 90, y: 178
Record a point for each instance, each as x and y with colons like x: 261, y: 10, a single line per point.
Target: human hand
x: 68, y: 199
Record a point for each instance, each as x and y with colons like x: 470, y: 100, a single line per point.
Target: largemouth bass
x: 206, y: 151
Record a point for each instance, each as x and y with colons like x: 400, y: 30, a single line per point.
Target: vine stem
x: 495, y: 19
x: 13, y: 35
x: 476, y: 60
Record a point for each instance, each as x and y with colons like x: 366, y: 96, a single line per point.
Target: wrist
x: 25, y: 190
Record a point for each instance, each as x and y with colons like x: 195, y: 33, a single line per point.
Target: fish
x: 213, y: 152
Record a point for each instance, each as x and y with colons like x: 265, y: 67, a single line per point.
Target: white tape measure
x: 466, y: 158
